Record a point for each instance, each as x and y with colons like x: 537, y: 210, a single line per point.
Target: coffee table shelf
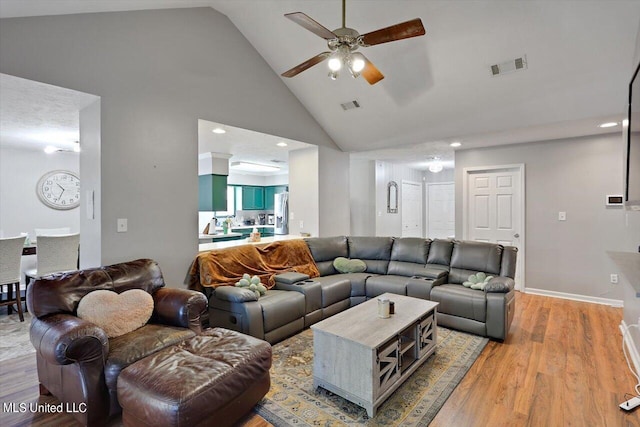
x: 364, y: 358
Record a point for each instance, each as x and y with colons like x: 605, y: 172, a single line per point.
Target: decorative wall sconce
x: 392, y: 197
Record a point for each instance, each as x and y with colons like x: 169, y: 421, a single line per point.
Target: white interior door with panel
x: 441, y: 214
x: 493, y: 209
x: 411, y: 209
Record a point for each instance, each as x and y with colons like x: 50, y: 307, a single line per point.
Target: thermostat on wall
x: 615, y: 200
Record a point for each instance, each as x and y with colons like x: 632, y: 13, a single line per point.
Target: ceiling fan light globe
x: 357, y: 64
x: 335, y: 64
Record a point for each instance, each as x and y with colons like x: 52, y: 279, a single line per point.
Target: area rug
x: 292, y: 400
x: 15, y: 336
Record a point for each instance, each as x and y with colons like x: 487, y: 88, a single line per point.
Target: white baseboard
x: 632, y: 350
x: 575, y: 297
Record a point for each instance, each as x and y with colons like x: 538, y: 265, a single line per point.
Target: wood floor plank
x: 561, y: 365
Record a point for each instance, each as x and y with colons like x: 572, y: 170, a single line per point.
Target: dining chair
x: 52, y: 231
x: 54, y: 254
x: 10, y: 254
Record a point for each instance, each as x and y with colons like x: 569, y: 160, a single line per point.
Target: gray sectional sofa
x: 421, y: 268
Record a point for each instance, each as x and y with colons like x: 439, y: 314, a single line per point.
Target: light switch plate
x: 562, y: 216
x: 122, y: 225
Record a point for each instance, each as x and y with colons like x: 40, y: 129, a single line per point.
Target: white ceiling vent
x: 517, y: 64
x: 350, y: 105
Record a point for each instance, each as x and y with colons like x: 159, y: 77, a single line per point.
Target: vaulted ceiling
x: 438, y: 88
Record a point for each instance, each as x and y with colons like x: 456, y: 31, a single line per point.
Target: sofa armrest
x: 62, y: 339
x: 179, y: 307
x: 500, y: 284
x: 436, y: 274
x: 235, y: 294
x: 290, y: 277
x: 420, y: 287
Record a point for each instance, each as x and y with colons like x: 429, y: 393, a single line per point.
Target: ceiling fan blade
x: 401, y: 31
x: 370, y: 72
x: 306, y: 64
x: 311, y: 25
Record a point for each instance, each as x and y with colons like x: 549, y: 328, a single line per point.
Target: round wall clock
x: 59, y: 189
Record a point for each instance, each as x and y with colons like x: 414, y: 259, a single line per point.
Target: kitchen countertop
x: 204, y: 247
x: 238, y: 227
x: 219, y: 235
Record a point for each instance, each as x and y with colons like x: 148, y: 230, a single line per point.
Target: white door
x: 411, y: 208
x: 441, y: 214
x: 494, y: 209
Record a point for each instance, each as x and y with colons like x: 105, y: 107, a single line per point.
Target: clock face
x: 59, y: 189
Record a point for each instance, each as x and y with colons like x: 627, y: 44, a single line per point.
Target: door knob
x: 516, y: 235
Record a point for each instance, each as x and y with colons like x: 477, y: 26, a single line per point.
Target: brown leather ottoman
x: 211, y: 379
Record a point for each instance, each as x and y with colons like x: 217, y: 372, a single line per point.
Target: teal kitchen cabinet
x: 212, y: 193
x: 271, y: 191
x: 252, y: 197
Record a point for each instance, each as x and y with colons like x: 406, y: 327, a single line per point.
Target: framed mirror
x: 392, y: 197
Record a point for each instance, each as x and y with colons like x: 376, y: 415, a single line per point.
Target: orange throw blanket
x: 221, y: 267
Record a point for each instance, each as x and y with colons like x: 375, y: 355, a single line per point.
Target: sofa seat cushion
x: 129, y: 348
x: 457, y: 300
x: 378, y: 285
x: 357, y: 281
x: 280, y: 308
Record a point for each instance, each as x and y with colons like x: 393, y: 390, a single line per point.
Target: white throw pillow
x: 117, y: 314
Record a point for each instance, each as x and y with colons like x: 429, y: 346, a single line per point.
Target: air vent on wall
x: 350, y: 105
x: 517, y: 64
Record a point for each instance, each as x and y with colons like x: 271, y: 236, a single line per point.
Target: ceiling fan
x: 343, y: 43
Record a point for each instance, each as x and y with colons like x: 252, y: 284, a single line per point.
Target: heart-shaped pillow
x: 117, y: 314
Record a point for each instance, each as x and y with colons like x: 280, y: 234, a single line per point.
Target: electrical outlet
x: 292, y: 215
x: 614, y: 279
x: 301, y: 224
x: 122, y: 225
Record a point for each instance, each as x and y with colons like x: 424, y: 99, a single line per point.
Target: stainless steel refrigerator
x: 281, y: 212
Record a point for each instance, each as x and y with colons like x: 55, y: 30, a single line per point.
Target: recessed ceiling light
x: 608, y: 125
x: 455, y: 144
x: 281, y: 144
x: 219, y: 131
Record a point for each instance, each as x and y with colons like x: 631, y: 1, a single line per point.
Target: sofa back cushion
x: 470, y: 257
x: 325, y: 249
x: 142, y: 274
x: 409, y: 256
x: 374, y: 251
x: 61, y: 292
x: 440, y: 253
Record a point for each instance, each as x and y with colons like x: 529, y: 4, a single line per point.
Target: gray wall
x: 157, y: 72
x: 333, y: 179
x: 571, y: 175
x: 304, y: 191
x: 363, y: 197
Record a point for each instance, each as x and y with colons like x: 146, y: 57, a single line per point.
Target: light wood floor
x: 562, y: 365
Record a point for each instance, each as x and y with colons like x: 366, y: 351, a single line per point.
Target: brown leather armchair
x: 76, y: 361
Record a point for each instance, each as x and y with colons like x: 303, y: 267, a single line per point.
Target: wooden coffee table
x: 365, y: 358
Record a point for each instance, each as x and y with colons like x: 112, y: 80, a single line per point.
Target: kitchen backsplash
x: 205, y: 216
